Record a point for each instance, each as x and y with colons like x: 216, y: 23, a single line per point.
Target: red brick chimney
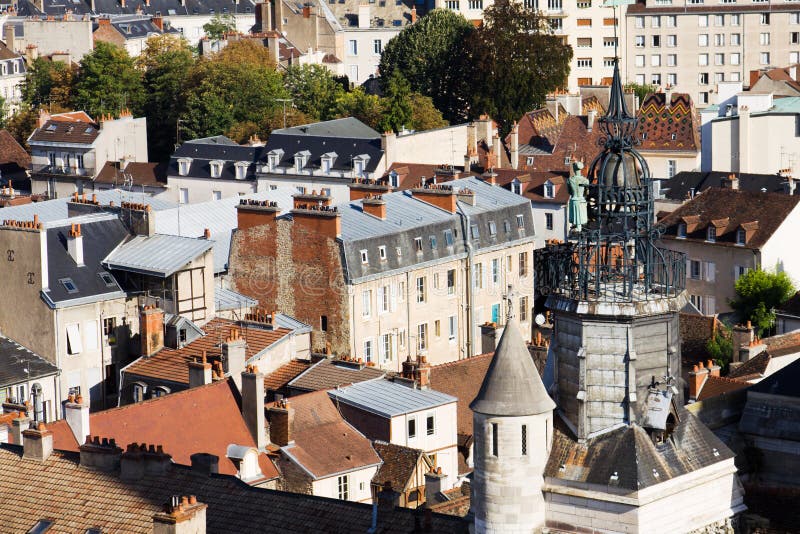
x: 158, y: 22
x: 697, y: 377
x: 315, y: 213
x: 181, y: 515
x: 441, y: 196
x: 423, y: 372
x: 250, y: 213
x: 151, y: 330
x: 281, y: 421
x: 363, y: 188
x: 374, y: 206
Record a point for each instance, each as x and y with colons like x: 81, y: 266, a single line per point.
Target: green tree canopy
x: 22, y: 124
x: 424, y: 115
x: 515, y: 62
x: 428, y: 54
x: 758, y: 293
x: 314, y: 90
x: 219, y: 26
x: 366, y: 108
x: 397, y: 112
x: 108, y: 81
x: 641, y: 91
x: 48, y: 83
x: 720, y: 346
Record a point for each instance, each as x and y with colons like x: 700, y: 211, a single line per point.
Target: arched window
x: 160, y: 391
x: 139, y: 391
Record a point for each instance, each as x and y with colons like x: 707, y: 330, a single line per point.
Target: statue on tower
x: 576, y: 209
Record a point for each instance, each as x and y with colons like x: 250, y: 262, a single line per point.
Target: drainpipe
x: 470, y: 257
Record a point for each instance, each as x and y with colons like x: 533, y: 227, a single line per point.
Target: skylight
x: 69, y: 285
x: 107, y: 279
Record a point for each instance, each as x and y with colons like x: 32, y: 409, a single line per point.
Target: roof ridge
x: 461, y: 361
x: 177, y: 394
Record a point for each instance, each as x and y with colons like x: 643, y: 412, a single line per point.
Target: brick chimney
x: 75, y: 244
x: 434, y: 480
x: 743, y: 337
x: 100, y: 454
x: 253, y: 404
x: 18, y: 426
x: 141, y: 459
x: 514, y: 146
x: 76, y: 413
x: 205, y: 463
x: 151, y: 330
x: 251, y: 213
x: 697, y: 377
x: 181, y: 515
x: 37, y: 444
x: 281, y: 421
x: 441, y: 196
x: 158, y: 22
x: 364, y: 187
x: 374, y: 206
x: 139, y: 218
x: 422, y: 373
x: 315, y: 213
x: 234, y: 354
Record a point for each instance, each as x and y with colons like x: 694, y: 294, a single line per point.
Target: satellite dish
x: 539, y: 319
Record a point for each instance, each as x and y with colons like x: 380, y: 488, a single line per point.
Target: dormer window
x: 241, y: 170
x: 549, y: 189
x: 382, y: 252
x: 741, y: 236
x: 516, y: 187
x: 394, y: 179
x: 301, y: 160
x: 216, y: 168
x: 327, y: 162
x: 529, y: 160
x: 183, y: 166
x: 681, y: 230
x: 360, y: 165
x: 273, y: 159
x: 364, y: 257
x: 711, y: 235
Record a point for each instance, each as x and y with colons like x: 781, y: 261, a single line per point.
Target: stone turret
x: 513, y: 429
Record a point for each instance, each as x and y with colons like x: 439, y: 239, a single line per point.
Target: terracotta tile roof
x: 668, y: 127
x: 743, y: 209
x: 462, y: 379
x: 783, y: 344
x: 324, y: 443
x: 399, y: 465
x: 756, y: 365
x: 717, y: 385
x: 56, y: 131
x: 457, y: 503
x: 12, y: 152
x: 284, y: 374
x: 328, y: 374
x: 202, y: 419
x: 141, y: 173
x: 77, y: 498
x: 172, y: 364
x: 72, y: 116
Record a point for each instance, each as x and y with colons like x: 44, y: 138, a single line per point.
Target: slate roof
x: 347, y: 127
x: 284, y: 374
x: 101, y: 234
x: 78, y: 498
x: 630, y: 453
x: 768, y: 416
x: 784, y: 382
x: 138, y: 27
x: 734, y: 208
x: 512, y: 385
x: 203, y: 151
x: 55, y: 131
x: 19, y: 364
x: 389, y: 399
x: 202, y: 419
x: 173, y: 364
x: 156, y: 255
x: 399, y: 466
x: 328, y: 374
x: 324, y: 443
x: 660, y: 121
x: 140, y: 173
x: 680, y: 186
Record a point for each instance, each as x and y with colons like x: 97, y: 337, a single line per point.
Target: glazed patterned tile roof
x: 173, y: 364
x: 328, y: 374
x: 76, y: 498
x: 324, y: 443
x: 202, y: 419
x: 553, y: 147
x: 399, y: 465
x: 284, y: 374
x: 673, y: 127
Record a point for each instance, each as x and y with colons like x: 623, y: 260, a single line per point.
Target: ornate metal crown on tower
x: 611, y: 253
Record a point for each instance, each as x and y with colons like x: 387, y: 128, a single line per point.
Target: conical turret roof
x: 512, y: 385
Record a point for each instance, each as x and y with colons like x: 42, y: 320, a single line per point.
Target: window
x: 672, y: 79
x: 523, y: 264
x: 451, y: 281
x: 412, y: 428
x: 524, y: 439
x: 139, y: 391
x: 159, y: 391
x: 383, y: 298
x: 638, y: 41
x: 710, y: 271
x: 639, y: 22
x: 711, y: 235
x: 323, y: 323
x: 763, y: 38
x: 417, y: 245
x: 495, y: 271
x: 703, y: 97
x: 609, y: 42
x: 694, y: 269
x: 639, y: 60
x: 382, y: 252
x: 548, y: 221
x: 655, y: 79
x: 475, y: 4
x: 377, y: 46
x: 477, y: 276
x: 69, y: 285
x: 107, y: 279
x: 741, y: 236
x: 794, y: 38
x: 549, y: 189
x: 448, y: 238
x: 184, y: 195
x: 387, y: 354
x: 765, y: 19
x: 216, y: 168
x: 702, y: 20
x: 492, y: 228
x: 430, y: 426
x: 718, y: 77
x: 702, y: 39
x: 736, y: 20
x: 495, y: 436
x: 520, y: 221
x: 737, y: 76
x: 719, y: 39
x: 719, y: 59
x: 764, y: 58
x: 656, y: 41
x: 672, y: 167
x: 655, y: 21
x: 523, y: 309
x: 452, y: 4
x: 435, y: 280
x: 475, y: 231
x: 736, y: 39
x: 608, y: 62
x: 719, y: 20
x: 794, y: 18
x: 507, y: 227
x: 703, y: 78
x: 366, y: 302
x: 367, y: 350
x: 79, y: 161
x: 432, y: 241
x: 584, y: 42
x: 352, y: 47
x: 421, y: 297
x: 364, y: 257
x: 672, y: 41
x: 343, y: 485
x: 452, y: 327
x: 585, y: 23
x: 736, y: 58
x: 422, y: 337
x: 655, y: 60
x: 739, y: 271
x: 584, y: 63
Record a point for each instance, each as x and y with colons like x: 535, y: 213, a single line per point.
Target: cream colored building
x: 692, y: 45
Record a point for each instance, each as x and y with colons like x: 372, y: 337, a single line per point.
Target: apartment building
x: 692, y: 45
x: 409, y: 273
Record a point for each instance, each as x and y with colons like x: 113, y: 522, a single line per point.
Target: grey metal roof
x: 158, y: 254
x: 19, y: 364
x: 512, y: 385
x: 286, y: 321
x: 346, y: 127
x: 225, y: 299
x: 389, y: 399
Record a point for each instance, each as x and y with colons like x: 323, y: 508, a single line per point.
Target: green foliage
x: 219, y: 26
x: 758, y: 293
x: 397, y: 112
x: 720, y: 346
x: 366, y: 108
x: 108, y: 81
x: 428, y: 54
x: 48, y: 83
x: 424, y: 115
x: 516, y: 62
x: 314, y: 90
x: 641, y: 91
x: 22, y: 124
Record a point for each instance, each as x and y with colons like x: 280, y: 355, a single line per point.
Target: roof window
x: 69, y: 285
x: 107, y: 279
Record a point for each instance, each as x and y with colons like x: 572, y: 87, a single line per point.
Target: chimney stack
x: 37, y: 443
x: 251, y: 213
x: 205, y: 463
x: 422, y: 374
x: 18, y: 426
x: 515, y: 146
x: 75, y: 244
x: 199, y: 372
x: 253, y: 404
x: 76, y: 413
x: 697, y: 377
x: 100, y: 454
x: 363, y: 17
x: 181, y: 515
x: 434, y: 479
x: 281, y: 421
x: 441, y: 196
x: 314, y: 212
x: 713, y: 368
x: 234, y: 354
x: 151, y: 330
x: 374, y: 206
x: 591, y: 116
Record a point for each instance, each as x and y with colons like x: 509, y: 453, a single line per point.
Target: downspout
x: 470, y: 257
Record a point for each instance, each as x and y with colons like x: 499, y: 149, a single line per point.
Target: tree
x: 366, y: 108
x: 217, y: 27
x: 166, y: 63
x: 22, y: 124
x: 396, y: 103
x: 108, y: 82
x: 516, y: 61
x: 758, y: 293
x: 641, y: 91
x: 48, y: 83
x: 720, y: 346
x: 424, y: 115
x: 314, y: 90
x: 428, y: 54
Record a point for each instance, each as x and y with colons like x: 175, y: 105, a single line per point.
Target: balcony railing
x: 62, y: 170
